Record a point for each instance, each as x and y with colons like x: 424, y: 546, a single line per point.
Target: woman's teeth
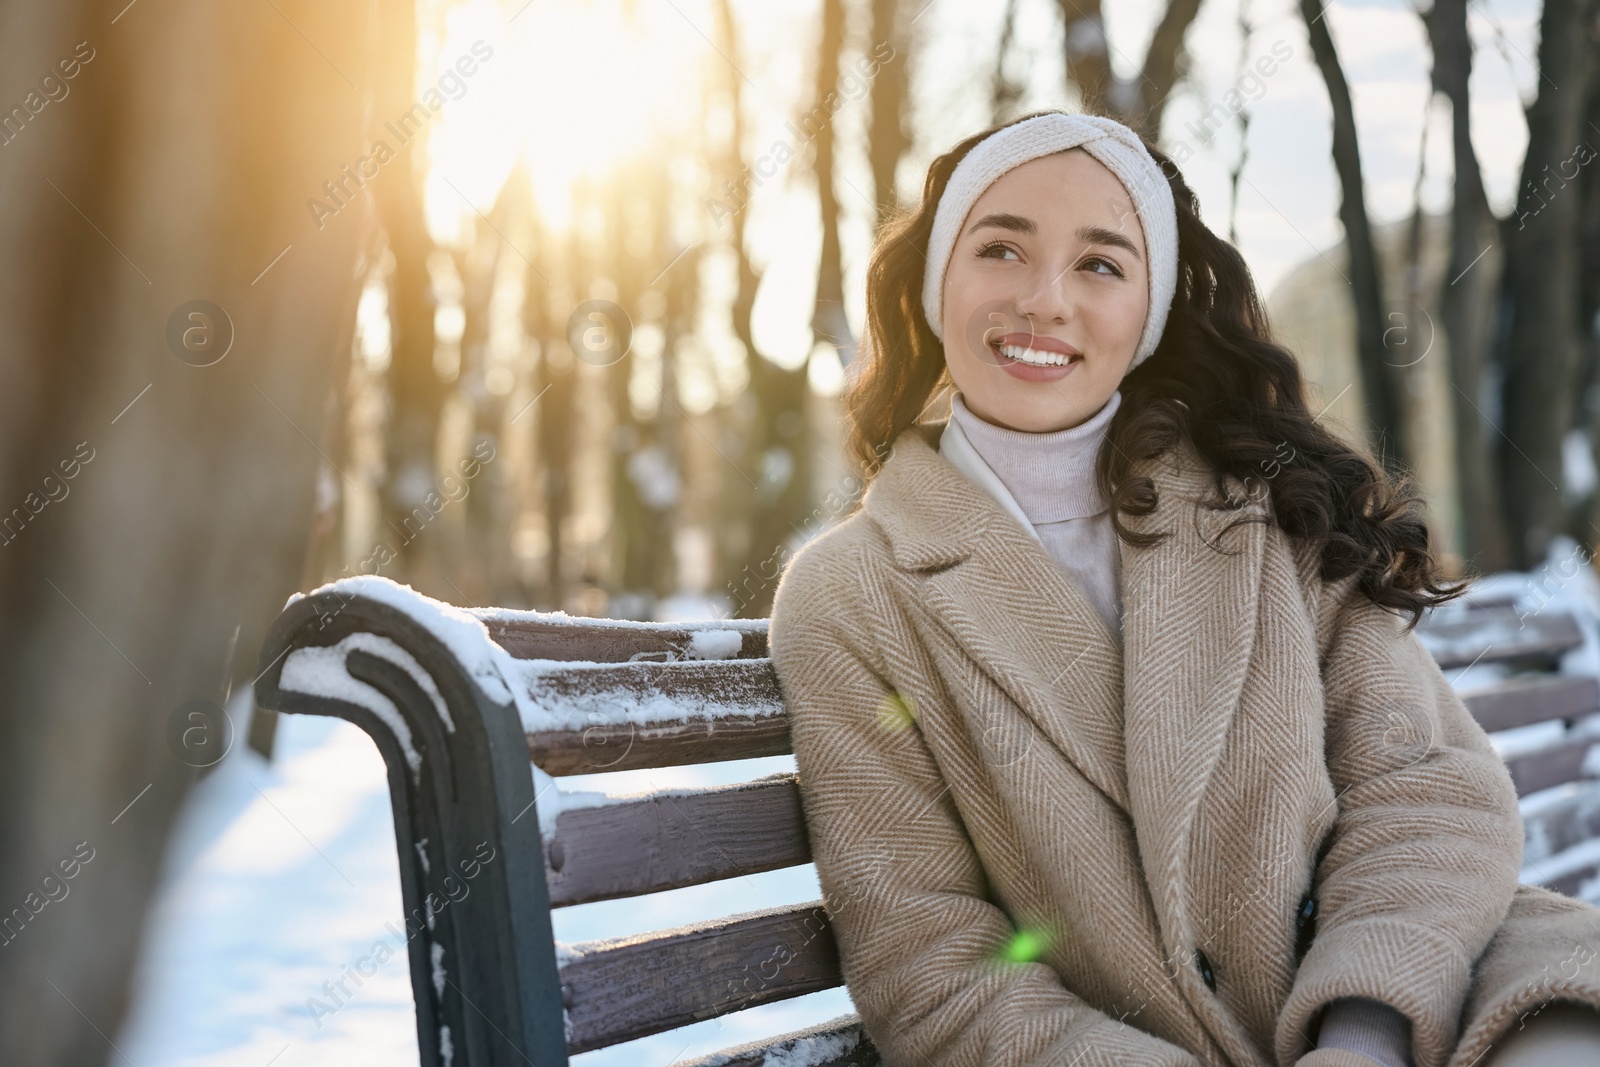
x: 1035, y: 357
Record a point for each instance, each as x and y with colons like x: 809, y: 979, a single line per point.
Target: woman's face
x: 1050, y: 265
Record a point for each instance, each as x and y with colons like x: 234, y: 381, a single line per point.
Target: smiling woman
x: 1141, y: 607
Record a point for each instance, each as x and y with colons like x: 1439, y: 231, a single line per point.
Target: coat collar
x: 1143, y: 718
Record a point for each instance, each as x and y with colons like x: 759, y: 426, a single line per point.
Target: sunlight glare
x: 580, y: 87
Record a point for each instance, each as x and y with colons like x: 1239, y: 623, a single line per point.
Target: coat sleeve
x: 1420, y: 867
x: 922, y: 951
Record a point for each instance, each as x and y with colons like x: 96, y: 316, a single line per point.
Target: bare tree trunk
x: 1543, y: 344
x: 555, y: 384
x: 178, y: 168
x: 677, y: 322
x: 416, y: 395
x: 1004, y: 89
x: 1139, y: 103
x: 1467, y: 303
x: 769, y: 426
x: 635, y: 538
x: 1379, y: 382
x: 1584, y: 524
x: 890, y: 93
x: 1164, y: 64
x: 477, y: 565
x: 1088, y: 59
x: 1236, y: 171
x: 828, y: 321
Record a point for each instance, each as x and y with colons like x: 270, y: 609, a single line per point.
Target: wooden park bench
x: 460, y: 701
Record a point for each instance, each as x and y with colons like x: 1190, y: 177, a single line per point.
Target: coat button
x: 1305, y: 926
x: 1204, y: 966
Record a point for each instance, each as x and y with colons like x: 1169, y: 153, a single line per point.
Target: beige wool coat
x: 1041, y: 844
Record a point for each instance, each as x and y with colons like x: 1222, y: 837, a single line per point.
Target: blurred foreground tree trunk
x: 157, y: 508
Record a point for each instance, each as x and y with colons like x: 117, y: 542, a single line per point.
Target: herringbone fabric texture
x: 1038, y: 848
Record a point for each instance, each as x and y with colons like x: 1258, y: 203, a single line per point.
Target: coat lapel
x: 1189, y: 630
x: 1018, y: 617
x: 1144, y: 718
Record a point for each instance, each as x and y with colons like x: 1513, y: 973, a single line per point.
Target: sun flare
x: 574, y: 89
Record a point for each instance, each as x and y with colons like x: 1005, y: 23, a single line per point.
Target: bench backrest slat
x: 1523, y: 700
x: 632, y: 987
x: 1499, y: 635
x: 1571, y: 817
x: 830, y: 1044
x: 1556, y: 764
x: 529, y: 635
x: 594, y: 852
x: 589, y: 719
x: 626, y: 747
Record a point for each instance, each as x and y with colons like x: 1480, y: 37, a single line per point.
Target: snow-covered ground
x: 281, y: 876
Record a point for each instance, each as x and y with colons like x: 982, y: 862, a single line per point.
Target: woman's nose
x: 1045, y: 297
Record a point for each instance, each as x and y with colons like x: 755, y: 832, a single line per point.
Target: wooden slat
x: 1557, y: 826
x: 644, y: 715
x: 530, y: 635
x: 1570, y: 882
x: 665, y: 841
x: 569, y: 692
x: 668, y: 744
x: 1566, y: 872
x: 1481, y: 602
x: 1553, y: 765
x: 1525, y: 699
x: 1499, y: 635
x: 838, y: 1042
x: 627, y: 988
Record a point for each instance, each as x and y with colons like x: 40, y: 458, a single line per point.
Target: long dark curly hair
x: 1243, y: 405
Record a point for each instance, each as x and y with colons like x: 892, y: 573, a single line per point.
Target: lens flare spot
x: 895, y: 713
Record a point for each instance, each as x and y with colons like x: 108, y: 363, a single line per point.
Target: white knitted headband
x: 1109, y: 141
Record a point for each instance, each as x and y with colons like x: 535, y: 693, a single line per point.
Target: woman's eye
x: 990, y: 250
x: 1112, y: 268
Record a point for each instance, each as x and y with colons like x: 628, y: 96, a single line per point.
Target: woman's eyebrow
x: 1021, y: 224
x: 1099, y: 235
x: 1005, y: 221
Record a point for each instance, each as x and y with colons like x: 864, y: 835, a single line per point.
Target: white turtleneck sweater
x: 1046, y: 481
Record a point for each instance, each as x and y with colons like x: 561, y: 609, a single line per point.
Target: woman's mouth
x: 1034, y: 356
x: 1031, y: 364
